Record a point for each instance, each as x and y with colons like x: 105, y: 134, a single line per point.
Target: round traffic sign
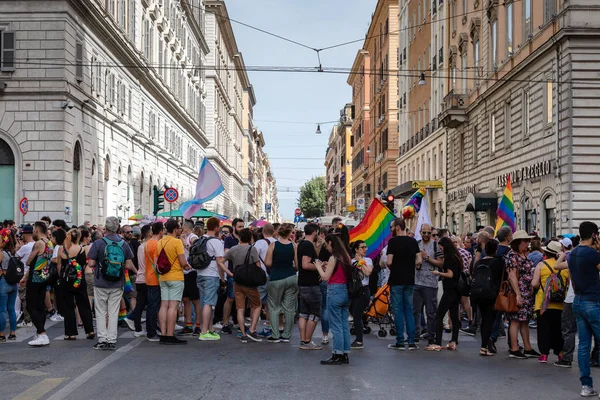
x: 24, y: 205
x: 171, y: 195
x: 297, y: 212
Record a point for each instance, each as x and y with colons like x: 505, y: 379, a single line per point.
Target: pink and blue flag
x: 208, y: 187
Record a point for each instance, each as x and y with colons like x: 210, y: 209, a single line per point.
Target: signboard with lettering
x: 351, y: 208
x: 532, y: 171
x: 427, y: 184
x: 461, y: 193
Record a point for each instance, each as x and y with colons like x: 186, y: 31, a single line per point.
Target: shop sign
x: 526, y: 173
x: 461, y: 193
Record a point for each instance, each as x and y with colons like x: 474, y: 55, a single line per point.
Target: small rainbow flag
x: 506, y: 209
x: 374, y: 228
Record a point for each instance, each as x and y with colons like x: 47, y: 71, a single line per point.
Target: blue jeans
x: 338, y: 308
x: 402, y: 305
x: 153, y: 297
x: 587, y: 315
x: 324, y: 314
x: 8, y: 296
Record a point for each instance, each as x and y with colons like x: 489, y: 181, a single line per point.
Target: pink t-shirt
x: 338, y: 275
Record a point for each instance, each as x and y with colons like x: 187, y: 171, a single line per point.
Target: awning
x: 409, y: 187
x: 481, y: 202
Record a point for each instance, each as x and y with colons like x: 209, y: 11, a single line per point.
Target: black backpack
x: 355, y: 286
x: 199, y: 258
x: 482, y: 286
x: 15, y: 270
x: 249, y: 274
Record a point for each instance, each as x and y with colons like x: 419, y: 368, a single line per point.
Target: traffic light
x: 390, y: 201
x: 159, y: 199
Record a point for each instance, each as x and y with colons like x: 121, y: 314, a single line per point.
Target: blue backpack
x: 113, y: 262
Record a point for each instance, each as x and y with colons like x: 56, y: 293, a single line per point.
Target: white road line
x: 81, y: 379
x: 38, y: 390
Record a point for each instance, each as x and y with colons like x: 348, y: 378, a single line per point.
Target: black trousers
x: 358, y: 312
x: 549, y: 332
x: 70, y: 299
x: 449, y: 302
x: 36, y: 305
x: 488, y: 315
x: 142, y: 301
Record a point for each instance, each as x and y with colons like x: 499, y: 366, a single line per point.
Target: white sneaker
x: 181, y: 319
x: 24, y: 324
x: 130, y: 324
x: 140, y: 333
x: 19, y: 315
x: 218, y: 325
x: 56, y: 317
x: 588, y: 391
x: 178, y: 327
x: 40, y: 340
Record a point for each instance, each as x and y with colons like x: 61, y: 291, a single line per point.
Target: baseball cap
x: 566, y: 242
x: 26, y: 229
x: 136, y: 231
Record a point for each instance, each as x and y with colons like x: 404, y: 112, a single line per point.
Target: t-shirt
x: 583, y: 261
x: 405, y: 250
x: 228, y: 243
x: 307, y: 277
x: 237, y: 255
x: 368, y: 261
x: 151, y: 247
x: 97, y: 254
x: 141, y: 275
x: 187, y: 243
x: 135, y: 245
x: 24, y: 252
x: 324, y: 254
x: 424, y: 276
x: 214, y: 248
x: 455, y: 266
x: 173, y: 248
x: 262, y: 246
x: 502, y: 250
x: 544, y: 274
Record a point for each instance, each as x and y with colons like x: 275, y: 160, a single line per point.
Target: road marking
x: 40, y: 389
x: 29, y: 372
x: 81, y: 379
x: 25, y: 333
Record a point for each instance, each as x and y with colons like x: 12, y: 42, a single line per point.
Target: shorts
x: 89, y: 281
x: 171, y: 290
x: 190, y: 288
x: 245, y: 292
x: 230, y: 293
x: 310, y: 302
x: 208, y: 287
x: 132, y: 294
x: 263, y: 292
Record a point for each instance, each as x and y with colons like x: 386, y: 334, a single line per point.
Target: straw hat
x: 521, y: 234
x: 553, y: 247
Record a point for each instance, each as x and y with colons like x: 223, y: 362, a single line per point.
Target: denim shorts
x: 171, y: 290
x: 230, y: 292
x: 263, y: 292
x: 208, y: 287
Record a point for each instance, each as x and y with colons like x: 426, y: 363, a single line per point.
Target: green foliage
x: 312, y: 197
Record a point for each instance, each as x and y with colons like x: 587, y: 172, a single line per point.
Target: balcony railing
x: 454, y: 109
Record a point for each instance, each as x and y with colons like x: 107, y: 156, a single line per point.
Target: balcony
x: 454, y: 109
x: 163, y: 25
x: 155, y: 11
x: 174, y: 45
x: 147, y: 3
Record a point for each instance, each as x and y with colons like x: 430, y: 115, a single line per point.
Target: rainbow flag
x: 506, y: 209
x: 374, y: 228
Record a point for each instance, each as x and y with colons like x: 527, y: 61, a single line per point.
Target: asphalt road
x: 229, y: 369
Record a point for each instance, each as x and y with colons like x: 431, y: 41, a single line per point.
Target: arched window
x: 7, y: 180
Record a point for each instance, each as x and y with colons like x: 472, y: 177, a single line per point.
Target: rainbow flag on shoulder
x: 506, y: 209
x: 374, y: 228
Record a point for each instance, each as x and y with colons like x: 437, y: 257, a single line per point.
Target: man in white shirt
x: 191, y: 295
x: 209, y: 279
x: 262, y: 246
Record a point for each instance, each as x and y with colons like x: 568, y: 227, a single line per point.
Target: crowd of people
x: 198, y: 272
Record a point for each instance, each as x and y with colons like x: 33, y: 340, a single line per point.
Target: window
x: 549, y: 102
x: 464, y: 8
x: 146, y: 38
x: 453, y: 11
x: 79, y: 61
x: 549, y: 10
x: 463, y: 66
x: 493, y: 133
x: 526, y: 113
x: 509, y: 29
x: 507, y: 125
x: 142, y: 116
x: 93, y: 74
x: 98, y: 78
x: 494, y: 33
x: 461, y: 151
x: 474, y: 144
x: 132, y: 16
x: 476, y: 56
x: 527, y: 28
x: 112, y: 88
x: 129, y: 105
x: 123, y: 99
x: 121, y: 14
x: 454, y: 77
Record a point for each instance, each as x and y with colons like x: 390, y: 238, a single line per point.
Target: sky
x: 296, y: 153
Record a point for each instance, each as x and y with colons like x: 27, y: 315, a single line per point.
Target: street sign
x: 351, y: 208
x: 360, y: 204
x: 24, y: 205
x: 427, y: 184
x: 297, y: 212
x: 268, y: 207
x: 171, y: 195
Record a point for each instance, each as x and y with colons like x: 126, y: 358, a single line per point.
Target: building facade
x: 100, y: 101
x: 522, y: 103
x: 339, y: 167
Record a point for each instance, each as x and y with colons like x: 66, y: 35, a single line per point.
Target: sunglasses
x: 435, y: 234
x: 425, y: 233
x: 362, y: 247
x: 126, y: 232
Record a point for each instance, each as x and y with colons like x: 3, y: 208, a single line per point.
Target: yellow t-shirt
x: 173, y: 247
x: 544, y: 274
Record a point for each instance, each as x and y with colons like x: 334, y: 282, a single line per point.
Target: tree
x: 312, y: 197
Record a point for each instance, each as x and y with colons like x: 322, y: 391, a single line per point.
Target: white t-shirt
x: 369, y: 262
x: 383, y: 258
x: 187, y: 243
x: 215, y: 248
x: 262, y: 246
x: 24, y: 252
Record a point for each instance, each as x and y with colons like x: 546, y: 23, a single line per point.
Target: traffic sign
x: 24, y: 205
x: 268, y: 207
x: 171, y: 195
x: 351, y: 208
x: 360, y: 204
x: 427, y: 184
x: 297, y: 212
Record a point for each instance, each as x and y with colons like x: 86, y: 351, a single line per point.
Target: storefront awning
x: 410, y: 187
x: 481, y: 202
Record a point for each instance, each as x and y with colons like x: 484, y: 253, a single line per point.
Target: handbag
x: 507, y: 299
x: 249, y: 274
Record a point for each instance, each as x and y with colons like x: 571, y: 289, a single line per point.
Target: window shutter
x: 132, y: 20
x: 79, y: 61
x: 7, y: 55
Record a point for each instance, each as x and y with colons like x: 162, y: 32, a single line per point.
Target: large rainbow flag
x: 506, y: 209
x: 374, y: 228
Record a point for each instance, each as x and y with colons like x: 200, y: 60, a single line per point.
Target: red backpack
x: 163, y: 265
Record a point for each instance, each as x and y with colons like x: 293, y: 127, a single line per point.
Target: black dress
x: 75, y: 296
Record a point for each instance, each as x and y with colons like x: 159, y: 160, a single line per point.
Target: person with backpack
x: 11, y: 272
x: 487, y: 276
x: 191, y: 295
x: 552, y: 287
x: 360, y: 303
x: 37, y: 281
x: 262, y: 246
x: 109, y: 257
x: 74, y: 287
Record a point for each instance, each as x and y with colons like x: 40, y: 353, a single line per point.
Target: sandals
x: 91, y: 335
x: 70, y: 338
x: 485, y: 353
x: 451, y: 346
x: 433, y: 347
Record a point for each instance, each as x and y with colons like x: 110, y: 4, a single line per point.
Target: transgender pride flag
x: 208, y: 187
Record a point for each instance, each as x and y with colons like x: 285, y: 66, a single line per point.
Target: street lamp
x: 534, y: 218
x: 422, y: 81
x: 368, y: 149
x: 318, y: 132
